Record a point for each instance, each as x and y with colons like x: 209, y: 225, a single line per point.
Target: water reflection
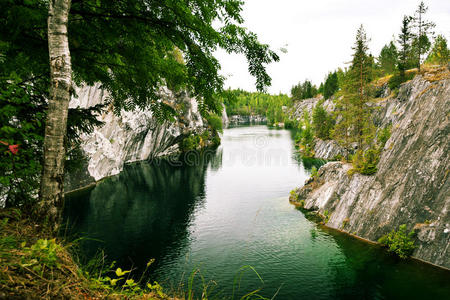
x: 228, y: 208
x: 143, y: 213
x: 378, y: 275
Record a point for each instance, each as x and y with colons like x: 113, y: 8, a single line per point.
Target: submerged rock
x: 411, y: 185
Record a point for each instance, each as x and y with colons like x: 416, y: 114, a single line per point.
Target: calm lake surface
x: 227, y: 209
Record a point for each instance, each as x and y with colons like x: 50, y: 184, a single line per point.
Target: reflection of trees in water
x: 142, y: 213
x: 215, y: 159
x: 308, y: 163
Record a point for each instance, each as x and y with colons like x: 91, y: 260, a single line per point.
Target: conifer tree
x: 404, y: 39
x: 342, y: 113
x: 421, y: 40
x: 353, y: 113
x: 360, y: 73
x: 331, y: 85
x: 388, y: 58
x: 303, y: 90
x: 322, y: 122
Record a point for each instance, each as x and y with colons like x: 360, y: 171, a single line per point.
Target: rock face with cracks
x: 328, y: 149
x: 411, y: 185
x: 130, y: 136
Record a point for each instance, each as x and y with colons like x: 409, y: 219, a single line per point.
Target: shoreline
x: 357, y: 237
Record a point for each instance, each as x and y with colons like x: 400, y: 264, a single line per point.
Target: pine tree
x: 320, y: 90
x: 388, y: 58
x: 331, y: 85
x: 303, y: 90
x: 404, y: 39
x: 343, y: 115
x: 421, y: 41
x: 360, y: 73
x: 353, y: 114
x: 322, y: 122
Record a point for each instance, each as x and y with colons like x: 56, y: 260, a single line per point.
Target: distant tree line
x: 396, y: 57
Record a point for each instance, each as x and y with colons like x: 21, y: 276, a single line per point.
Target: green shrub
x: 399, y: 242
x: 337, y: 157
x: 383, y: 136
x: 326, y: 216
x: 41, y: 255
x: 289, y: 124
x: 396, y: 80
x: 216, y: 140
x: 215, y: 122
x: 365, y: 162
x: 189, y: 143
x: 309, y: 162
x: 314, y: 171
x: 322, y: 122
x: 293, y: 195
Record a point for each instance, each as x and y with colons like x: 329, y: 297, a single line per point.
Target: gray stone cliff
x: 411, y: 185
x: 328, y: 149
x: 130, y: 136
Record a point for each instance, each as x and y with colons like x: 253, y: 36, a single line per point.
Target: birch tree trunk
x: 51, y: 193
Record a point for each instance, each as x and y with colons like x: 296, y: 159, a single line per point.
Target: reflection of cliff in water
x: 369, y: 272
x: 142, y: 213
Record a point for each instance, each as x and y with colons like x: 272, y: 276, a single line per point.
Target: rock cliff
x: 411, y: 185
x: 328, y: 149
x: 130, y: 136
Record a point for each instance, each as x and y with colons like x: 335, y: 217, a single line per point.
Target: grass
x: 34, y: 264
x: 33, y: 268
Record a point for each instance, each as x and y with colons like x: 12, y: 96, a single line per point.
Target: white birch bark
x: 51, y: 193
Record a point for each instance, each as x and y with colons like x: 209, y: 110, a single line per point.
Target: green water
x: 227, y: 209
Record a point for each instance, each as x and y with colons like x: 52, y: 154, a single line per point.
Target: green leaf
x: 130, y: 282
x: 120, y: 273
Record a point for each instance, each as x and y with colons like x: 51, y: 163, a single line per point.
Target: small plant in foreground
x: 121, y: 284
x: 41, y: 256
x: 399, y: 242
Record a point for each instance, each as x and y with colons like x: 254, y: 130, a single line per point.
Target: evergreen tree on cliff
x: 360, y: 72
x: 404, y: 39
x: 421, y: 40
x: 128, y: 46
x: 388, y: 58
x: 331, y: 85
x: 352, y: 108
x: 303, y: 90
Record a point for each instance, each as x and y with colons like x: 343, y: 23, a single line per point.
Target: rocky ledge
x: 411, y: 185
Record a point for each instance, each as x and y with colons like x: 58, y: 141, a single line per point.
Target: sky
x: 319, y: 34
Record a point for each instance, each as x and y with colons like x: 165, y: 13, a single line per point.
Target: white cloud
x: 320, y: 34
